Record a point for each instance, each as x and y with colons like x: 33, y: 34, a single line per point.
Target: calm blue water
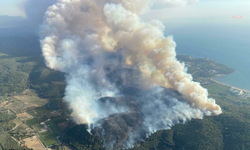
x: 227, y: 45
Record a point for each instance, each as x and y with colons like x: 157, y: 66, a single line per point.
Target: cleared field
x: 54, y: 114
x: 33, y: 143
x: 18, y: 106
x: 63, y: 126
x: 17, y: 121
x: 27, y: 99
x: 4, y: 103
x: 25, y: 126
x: 40, y: 111
x: 66, y: 147
x: 24, y: 116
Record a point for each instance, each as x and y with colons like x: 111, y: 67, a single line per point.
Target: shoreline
x: 245, y: 87
x: 244, y: 90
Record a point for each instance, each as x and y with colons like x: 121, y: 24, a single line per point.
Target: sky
x: 205, y: 11
x: 209, y: 8
x: 11, y: 8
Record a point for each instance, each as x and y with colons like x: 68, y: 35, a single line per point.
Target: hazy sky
x: 206, y: 11
x: 11, y: 7
x: 215, y: 11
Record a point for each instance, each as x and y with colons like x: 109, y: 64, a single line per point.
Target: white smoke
x: 161, y: 110
x: 87, y: 39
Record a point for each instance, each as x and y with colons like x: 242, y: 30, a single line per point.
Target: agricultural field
x: 53, y: 127
x: 34, y: 143
x: 47, y: 138
x: 35, y: 100
x: 23, y: 101
x: 24, y: 116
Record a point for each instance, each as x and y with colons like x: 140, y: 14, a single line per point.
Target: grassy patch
x: 35, y: 100
x: 32, y: 113
x: 215, y: 88
x: 41, y: 111
x: 37, y: 127
x: 53, y: 127
x: 47, y: 138
x: 58, y: 119
x: 6, y: 142
x: 35, y: 121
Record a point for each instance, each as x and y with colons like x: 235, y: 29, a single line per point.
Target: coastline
x: 240, y: 89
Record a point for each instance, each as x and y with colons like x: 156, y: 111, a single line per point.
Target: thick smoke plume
x: 89, y: 39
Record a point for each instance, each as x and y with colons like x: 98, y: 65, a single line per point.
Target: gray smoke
x: 91, y: 39
x: 35, y: 9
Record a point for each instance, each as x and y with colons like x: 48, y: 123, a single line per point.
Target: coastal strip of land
x: 232, y: 87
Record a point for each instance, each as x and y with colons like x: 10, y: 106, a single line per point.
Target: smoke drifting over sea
x: 90, y: 39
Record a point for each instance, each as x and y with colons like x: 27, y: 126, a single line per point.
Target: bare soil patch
x: 34, y: 143
x: 18, y: 106
x: 24, y: 116
x: 63, y: 126
x: 4, y: 103
x: 32, y: 100
x: 54, y: 114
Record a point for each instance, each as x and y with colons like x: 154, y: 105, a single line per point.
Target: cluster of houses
x: 241, y: 93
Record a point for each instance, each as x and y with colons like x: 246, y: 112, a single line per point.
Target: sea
x: 225, y: 44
